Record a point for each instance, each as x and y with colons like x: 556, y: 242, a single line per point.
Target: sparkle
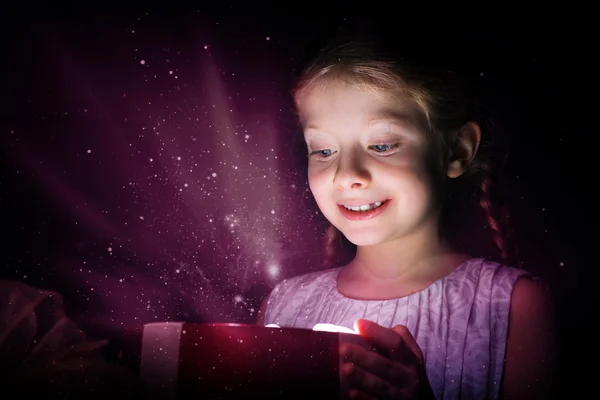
x: 273, y: 270
x: 156, y: 121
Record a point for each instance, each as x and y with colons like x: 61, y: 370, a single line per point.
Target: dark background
x: 107, y: 192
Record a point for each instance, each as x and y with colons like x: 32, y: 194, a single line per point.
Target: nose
x: 351, y: 173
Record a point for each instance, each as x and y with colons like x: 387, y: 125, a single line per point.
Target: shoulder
x: 531, y: 342
x: 493, y: 269
x: 531, y: 306
x: 304, y: 285
x: 311, y: 278
x: 489, y: 275
x: 530, y: 295
x: 296, y: 286
x: 485, y: 280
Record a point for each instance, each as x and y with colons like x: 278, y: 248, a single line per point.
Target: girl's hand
x: 395, y: 371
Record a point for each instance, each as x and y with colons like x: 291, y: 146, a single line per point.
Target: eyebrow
x: 404, y: 119
x: 401, y: 119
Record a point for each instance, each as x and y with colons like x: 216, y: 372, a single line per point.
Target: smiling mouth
x: 365, y: 207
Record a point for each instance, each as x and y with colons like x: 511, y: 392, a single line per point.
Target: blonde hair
x: 444, y: 103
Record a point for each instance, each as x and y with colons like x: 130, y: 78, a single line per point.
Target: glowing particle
x: 205, y: 47
x: 89, y: 151
x: 178, y: 158
x: 185, y: 185
x: 143, y: 62
x: 238, y: 298
x: 268, y: 38
x: 214, y: 174
x: 272, y: 211
x: 247, y: 136
x: 170, y: 72
x: 141, y: 217
x: 562, y: 264
x: 273, y: 270
x: 109, y: 249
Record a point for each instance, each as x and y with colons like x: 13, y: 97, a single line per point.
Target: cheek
x: 416, y: 188
x: 317, y: 183
x: 408, y: 178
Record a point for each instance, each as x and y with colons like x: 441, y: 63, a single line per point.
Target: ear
x: 463, y: 148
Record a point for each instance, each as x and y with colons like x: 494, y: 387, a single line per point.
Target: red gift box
x: 236, y: 361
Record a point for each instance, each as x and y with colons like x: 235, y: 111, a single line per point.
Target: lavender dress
x: 460, y: 321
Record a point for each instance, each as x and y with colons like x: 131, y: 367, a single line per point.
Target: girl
x: 386, y: 145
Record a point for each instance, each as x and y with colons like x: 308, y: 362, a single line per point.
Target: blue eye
x: 383, y: 148
x: 322, y: 153
x: 380, y: 147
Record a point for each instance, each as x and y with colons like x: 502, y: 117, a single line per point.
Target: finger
x: 377, y: 364
x: 409, y: 340
x: 382, y: 338
x: 368, y: 383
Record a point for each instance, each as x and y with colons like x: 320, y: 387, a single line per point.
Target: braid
x: 497, y: 215
x: 330, y: 245
x: 338, y: 250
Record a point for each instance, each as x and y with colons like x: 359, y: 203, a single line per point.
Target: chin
x: 364, y: 238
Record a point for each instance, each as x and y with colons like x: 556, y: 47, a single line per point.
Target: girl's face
x: 367, y: 150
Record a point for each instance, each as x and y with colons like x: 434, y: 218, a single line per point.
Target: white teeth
x: 365, y: 207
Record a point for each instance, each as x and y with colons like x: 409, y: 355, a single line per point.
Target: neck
x: 413, y: 257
